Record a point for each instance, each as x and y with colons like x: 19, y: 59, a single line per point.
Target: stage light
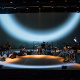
x: 75, y: 39
x: 16, y: 30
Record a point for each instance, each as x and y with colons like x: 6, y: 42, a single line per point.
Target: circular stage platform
x: 38, y: 62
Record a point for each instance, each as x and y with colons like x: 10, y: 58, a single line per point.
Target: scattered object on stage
x: 13, y: 55
x: 5, y: 55
x: 29, y: 52
x: 20, y: 54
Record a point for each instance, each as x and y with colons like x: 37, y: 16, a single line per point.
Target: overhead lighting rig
x: 45, y: 5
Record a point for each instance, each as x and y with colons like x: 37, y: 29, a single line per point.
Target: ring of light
x: 34, y: 66
x: 10, y: 25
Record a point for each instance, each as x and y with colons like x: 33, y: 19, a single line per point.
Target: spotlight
x: 75, y: 40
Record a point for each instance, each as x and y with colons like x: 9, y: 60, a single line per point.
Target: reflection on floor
x: 36, y: 60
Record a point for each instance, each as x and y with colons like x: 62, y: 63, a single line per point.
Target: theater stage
x: 38, y: 62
